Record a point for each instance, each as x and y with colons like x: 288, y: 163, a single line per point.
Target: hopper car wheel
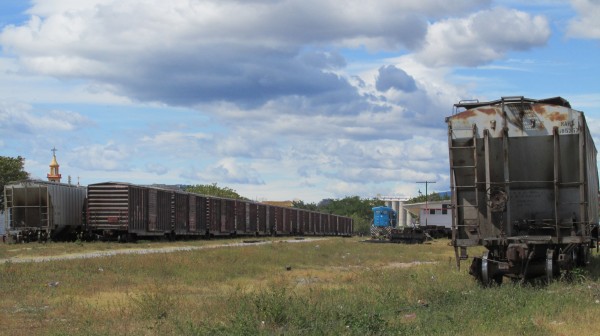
x: 485, y: 278
x: 488, y: 268
x: 552, y: 270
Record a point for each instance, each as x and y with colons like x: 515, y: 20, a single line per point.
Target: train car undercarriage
x: 526, y: 259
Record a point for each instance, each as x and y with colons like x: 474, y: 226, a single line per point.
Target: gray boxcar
x: 38, y: 210
x: 524, y: 185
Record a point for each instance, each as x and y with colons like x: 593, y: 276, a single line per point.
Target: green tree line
x: 215, y: 190
x: 431, y: 197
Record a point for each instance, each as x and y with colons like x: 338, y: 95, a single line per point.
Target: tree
x: 305, y: 206
x: 214, y: 190
x: 11, y: 169
x: 431, y: 197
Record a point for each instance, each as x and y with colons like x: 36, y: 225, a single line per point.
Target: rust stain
x: 465, y: 115
x: 557, y: 116
x: 488, y: 111
x: 539, y: 109
x: 468, y: 114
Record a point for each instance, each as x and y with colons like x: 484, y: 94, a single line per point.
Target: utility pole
x: 426, y: 199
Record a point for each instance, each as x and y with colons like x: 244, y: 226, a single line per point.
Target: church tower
x: 54, y: 175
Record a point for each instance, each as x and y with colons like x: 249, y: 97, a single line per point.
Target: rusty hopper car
x: 524, y: 185
x: 38, y: 210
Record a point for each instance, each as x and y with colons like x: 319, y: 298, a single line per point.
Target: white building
x: 436, y: 213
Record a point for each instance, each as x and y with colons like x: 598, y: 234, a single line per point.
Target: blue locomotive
x: 384, y: 220
x: 384, y: 216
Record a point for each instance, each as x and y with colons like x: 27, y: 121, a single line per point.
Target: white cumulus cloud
x: 482, y: 37
x: 587, y: 24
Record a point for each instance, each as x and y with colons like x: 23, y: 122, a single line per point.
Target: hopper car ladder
x: 8, y: 199
x: 468, y: 183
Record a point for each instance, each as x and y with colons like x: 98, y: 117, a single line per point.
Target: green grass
x: 334, y: 287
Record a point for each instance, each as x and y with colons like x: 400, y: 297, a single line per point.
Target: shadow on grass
x: 592, y: 270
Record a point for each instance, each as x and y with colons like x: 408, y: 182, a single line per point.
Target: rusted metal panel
x: 252, y: 218
x: 285, y: 221
x: 181, y: 212
x: 307, y: 222
x: 518, y: 116
x: 202, y: 225
x: 229, y: 216
x: 330, y: 224
x: 193, y: 217
x: 137, y: 209
x: 152, y: 211
x: 324, y: 224
x: 344, y: 226
x: 287, y: 227
x: 333, y: 224
x: 303, y: 221
x: 292, y: 219
x: 299, y: 228
x: 271, y: 223
x: 263, y: 220
x: 221, y: 216
x: 214, y: 215
x: 280, y: 226
x: 241, y: 216
x: 315, y: 223
x: 164, y: 211
x: 197, y: 214
x: 109, y: 206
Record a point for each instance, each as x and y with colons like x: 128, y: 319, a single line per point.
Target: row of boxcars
x: 38, y: 210
x: 524, y: 185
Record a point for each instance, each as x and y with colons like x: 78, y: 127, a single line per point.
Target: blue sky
x: 279, y: 100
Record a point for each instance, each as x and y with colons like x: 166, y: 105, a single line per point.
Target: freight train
x: 524, y: 185
x: 38, y: 210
